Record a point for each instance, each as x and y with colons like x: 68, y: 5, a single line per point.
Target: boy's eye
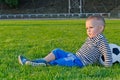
x: 90, y: 27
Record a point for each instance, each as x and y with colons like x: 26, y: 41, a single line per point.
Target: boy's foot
x: 22, y: 60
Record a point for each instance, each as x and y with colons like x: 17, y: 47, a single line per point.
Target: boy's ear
x: 101, y: 28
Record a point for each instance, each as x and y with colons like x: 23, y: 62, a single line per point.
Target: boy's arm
x: 106, y: 52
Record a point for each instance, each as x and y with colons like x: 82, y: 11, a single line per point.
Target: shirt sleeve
x: 106, y: 52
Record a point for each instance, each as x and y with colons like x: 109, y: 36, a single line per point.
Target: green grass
x: 36, y: 38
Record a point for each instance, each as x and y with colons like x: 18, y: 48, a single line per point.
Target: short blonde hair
x: 97, y: 17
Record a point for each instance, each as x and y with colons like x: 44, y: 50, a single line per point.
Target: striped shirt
x: 93, y: 48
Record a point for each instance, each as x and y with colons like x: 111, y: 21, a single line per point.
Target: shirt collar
x: 96, y: 38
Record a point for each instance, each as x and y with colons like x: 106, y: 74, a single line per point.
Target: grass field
x: 36, y: 38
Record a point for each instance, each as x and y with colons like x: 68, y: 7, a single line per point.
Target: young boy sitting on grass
x: 90, y: 52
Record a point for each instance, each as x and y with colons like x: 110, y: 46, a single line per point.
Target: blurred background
x: 58, y: 8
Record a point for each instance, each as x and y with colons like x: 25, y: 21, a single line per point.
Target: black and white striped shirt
x: 93, y: 48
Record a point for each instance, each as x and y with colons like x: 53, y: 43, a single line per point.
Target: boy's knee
x: 56, y: 50
x: 59, y: 53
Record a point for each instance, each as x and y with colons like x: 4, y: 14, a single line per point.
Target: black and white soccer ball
x: 115, y: 49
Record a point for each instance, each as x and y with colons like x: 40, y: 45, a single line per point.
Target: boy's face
x: 93, y: 28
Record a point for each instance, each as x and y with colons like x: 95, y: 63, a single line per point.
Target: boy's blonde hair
x: 97, y: 17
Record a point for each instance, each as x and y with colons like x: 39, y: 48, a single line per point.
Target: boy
x: 95, y: 46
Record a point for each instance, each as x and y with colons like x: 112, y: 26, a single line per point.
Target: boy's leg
x: 70, y: 60
x: 66, y: 61
x: 55, y: 54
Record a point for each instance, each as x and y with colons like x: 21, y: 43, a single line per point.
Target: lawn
x: 36, y: 38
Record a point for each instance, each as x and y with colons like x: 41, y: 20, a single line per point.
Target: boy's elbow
x: 108, y: 65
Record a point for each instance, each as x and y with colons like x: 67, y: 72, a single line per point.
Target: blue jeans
x: 65, y: 59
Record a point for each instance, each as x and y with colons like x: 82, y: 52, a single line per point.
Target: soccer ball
x: 115, y: 49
